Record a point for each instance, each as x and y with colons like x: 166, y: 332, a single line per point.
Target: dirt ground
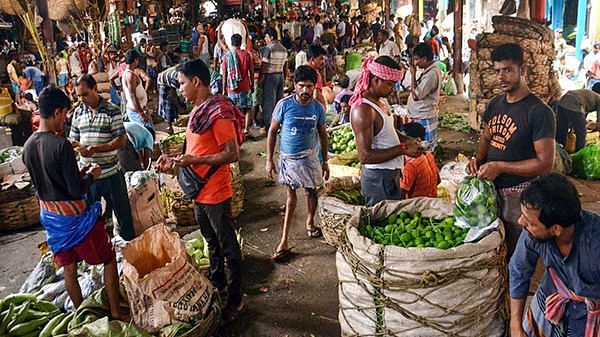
x: 298, y: 298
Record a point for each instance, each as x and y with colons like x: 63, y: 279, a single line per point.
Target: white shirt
x: 386, y: 138
x: 341, y: 27
x: 233, y: 26
x: 389, y: 48
x: 428, y: 92
x: 318, y: 30
x: 301, y: 58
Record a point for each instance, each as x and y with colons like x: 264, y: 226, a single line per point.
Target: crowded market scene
x: 300, y: 168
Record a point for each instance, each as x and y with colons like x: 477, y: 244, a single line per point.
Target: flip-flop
x: 281, y: 255
x: 314, y: 233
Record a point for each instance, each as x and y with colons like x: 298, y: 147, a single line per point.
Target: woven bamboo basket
x: 20, y: 211
x: 60, y: 9
x: 521, y: 27
x: 13, y: 7
x: 334, y: 214
x: 171, y: 148
x: 237, y: 200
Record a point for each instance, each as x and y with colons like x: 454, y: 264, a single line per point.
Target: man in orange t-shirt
x: 420, y: 175
x: 213, y: 136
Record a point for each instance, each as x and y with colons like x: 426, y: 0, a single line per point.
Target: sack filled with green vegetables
x: 475, y: 206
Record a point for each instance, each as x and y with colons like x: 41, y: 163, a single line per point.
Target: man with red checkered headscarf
x: 380, y: 146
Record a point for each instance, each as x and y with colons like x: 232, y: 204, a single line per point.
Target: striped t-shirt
x: 275, y: 55
x: 97, y: 128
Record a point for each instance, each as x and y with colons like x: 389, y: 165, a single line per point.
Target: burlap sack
x: 395, y: 291
x: 162, y: 285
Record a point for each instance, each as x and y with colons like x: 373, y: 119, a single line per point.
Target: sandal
x: 314, y: 233
x: 282, y: 255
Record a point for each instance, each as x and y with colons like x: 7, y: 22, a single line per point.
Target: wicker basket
x: 521, y: 27
x: 22, y: 211
x: 171, y: 149
x: 333, y: 213
x: 237, y: 185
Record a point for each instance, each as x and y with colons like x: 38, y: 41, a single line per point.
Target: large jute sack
x: 162, y: 284
x: 395, y: 291
x: 333, y: 212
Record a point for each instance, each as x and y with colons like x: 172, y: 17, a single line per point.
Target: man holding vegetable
x: 74, y: 225
x: 213, y: 137
x: 557, y: 230
x: 380, y: 146
x: 517, y: 143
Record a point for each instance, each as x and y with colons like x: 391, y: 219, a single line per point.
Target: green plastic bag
x: 475, y: 202
x: 586, y: 163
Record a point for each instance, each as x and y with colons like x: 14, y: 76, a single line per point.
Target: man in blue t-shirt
x: 35, y: 78
x: 301, y: 121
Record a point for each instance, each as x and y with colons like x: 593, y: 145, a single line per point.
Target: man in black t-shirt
x: 517, y: 143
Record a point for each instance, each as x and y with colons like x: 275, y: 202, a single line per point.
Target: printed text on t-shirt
x: 502, y: 127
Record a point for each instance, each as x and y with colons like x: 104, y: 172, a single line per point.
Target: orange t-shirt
x: 218, y: 187
x: 420, y: 176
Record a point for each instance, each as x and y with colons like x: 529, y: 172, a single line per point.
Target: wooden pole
x: 47, y: 38
x: 457, y: 68
x: 386, y: 10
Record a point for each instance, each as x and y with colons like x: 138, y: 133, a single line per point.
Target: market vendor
x: 517, y: 143
x: 380, y: 146
x: 136, y: 97
x: 74, y: 226
x: 34, y: 77
x: 136, y: 154
x: 11, y: 69
x: 213, y: 137
x: 557, y: 230
x: 97, y: 131
x: 169, y: 105
x: 571, y: 112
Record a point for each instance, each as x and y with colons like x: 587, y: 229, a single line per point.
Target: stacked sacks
x: 103, y: 85
x: 537, y: 42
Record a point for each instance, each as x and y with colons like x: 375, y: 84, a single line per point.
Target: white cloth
x: 341, y: 27
x: 428, y: 91
x: 233, y: 26
x: 301, y: 58
x: 389, y: 48
x: 318, y: 30
x: 75, y: 64
x: 385, y: 139
x: 140, y: 93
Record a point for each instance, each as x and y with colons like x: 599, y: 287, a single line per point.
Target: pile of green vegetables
x: 456, y: 122
x: 342, y: 141
x: 412, y: 230
x: 197, y: 249
x: 174, y: 139
x: 476, y: 202
x: 352, y: 197
x: 7, y: 155
x: 23, y: 315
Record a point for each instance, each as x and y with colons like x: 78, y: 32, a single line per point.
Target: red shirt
x: 218, y: 188
x: 435, y: 45
x: 246, y: 64
x: 420, y: 176
x: 319, y: 84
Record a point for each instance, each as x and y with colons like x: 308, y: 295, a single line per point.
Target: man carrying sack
x: 517, y: 143
x: 567, y: 301
x: 213, y: 137
x: 75, y: 227
x: 380, y: 146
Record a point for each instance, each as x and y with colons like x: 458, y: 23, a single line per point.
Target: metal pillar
x: 581, y: 27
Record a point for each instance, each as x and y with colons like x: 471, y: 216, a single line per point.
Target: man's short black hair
x: 345, y: 98
x: 315, y: 51
x: 556, y: 199
x: 424, y: 50
x: 236, y: 40
x: 143, y: 40
x: 388, y: 62
x: 385, y: 33
x: 508, y: 52
x: 596, y: 89
x: 305, y: 74
x: 195, y: 68
x: 163, y: 44
x: 131, y: 56
x: 88, y: 79
x: 344, y: 81
x: 272, y: 33
x: 51, y: 99
x: 414, y: 130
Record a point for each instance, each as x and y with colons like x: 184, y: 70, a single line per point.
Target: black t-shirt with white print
x: 514, y: 128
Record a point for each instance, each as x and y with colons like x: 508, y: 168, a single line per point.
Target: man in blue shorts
x: 301, y: 120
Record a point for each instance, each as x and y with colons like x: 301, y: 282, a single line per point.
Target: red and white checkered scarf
x: 369, y: 66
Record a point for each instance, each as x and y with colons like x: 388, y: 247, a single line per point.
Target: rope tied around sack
x: 369, y: 276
